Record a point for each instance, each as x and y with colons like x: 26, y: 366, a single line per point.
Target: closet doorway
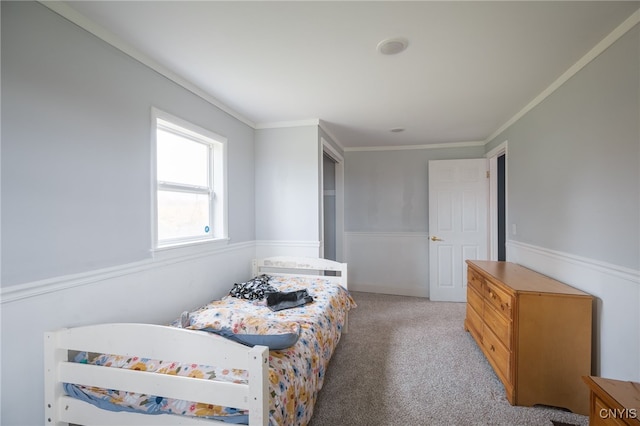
x: 498, y: 232
x: 332, y: 203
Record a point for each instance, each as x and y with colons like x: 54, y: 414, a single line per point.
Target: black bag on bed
x: 254, y: 289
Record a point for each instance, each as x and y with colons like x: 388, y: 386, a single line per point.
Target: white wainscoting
x: 161, y: 259
x: 388, y: 262
x: 268, y: 248
x: 153, y: 291
x: 617, y: 310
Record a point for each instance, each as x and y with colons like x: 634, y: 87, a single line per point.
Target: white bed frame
x: 296, y: 266
x: 168, y: 343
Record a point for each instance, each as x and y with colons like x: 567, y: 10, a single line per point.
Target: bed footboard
x: 156, y: 342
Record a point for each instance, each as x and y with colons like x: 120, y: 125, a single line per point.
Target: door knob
x: 434, y: 238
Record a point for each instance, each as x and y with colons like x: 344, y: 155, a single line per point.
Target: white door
x: 458, y: 204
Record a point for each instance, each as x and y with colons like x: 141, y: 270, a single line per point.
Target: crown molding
x: 285, y: 124
x: 413, y: 147
x: 323, y: 126
x: 603, y: 45
x: 82, y: 21
x: 62, y: 9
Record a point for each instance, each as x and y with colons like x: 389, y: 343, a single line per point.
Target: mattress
x: 296, y: 373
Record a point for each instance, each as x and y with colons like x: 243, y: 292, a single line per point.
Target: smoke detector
x: 393, y: 46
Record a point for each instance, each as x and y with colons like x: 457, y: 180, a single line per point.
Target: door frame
x: 327, y: 149
x: 492, y: 156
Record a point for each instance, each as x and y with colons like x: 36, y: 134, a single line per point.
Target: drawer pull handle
x: 493, y: 349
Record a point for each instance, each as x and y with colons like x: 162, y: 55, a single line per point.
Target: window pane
x: 181, y: 160
x: 182, y: 214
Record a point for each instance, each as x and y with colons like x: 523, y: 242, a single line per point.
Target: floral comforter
x: 296, y: 374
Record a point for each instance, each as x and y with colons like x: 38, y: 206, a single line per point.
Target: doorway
x: 329, y: 206
x: 502, y: 208
x: 498, y: 220
x: 332, y: 203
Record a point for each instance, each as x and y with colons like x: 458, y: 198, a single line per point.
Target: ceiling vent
x: 393, y: 46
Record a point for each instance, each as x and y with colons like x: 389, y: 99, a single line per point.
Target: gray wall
x: 574, y: 162
x: 573, y: 192
x: 76, y: 214
x: 76, y: 176
x: 287, y: 184
x: 387, y: 217
x: 387, y: 191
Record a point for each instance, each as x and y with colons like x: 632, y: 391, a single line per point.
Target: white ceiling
x: 469, y: 68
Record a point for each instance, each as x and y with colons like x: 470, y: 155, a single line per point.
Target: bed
x: 234, y: 360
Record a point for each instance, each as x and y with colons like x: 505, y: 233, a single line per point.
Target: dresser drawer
x: 499, y: 324
x: 474, y: 280
x: 474, y: 323
x: 474, y: 299
x: 498, y: 354
x: 499, y: 299
x: 525, y: 314
x: 603, y: 415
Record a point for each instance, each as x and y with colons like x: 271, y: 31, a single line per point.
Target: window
x: 190, y: 194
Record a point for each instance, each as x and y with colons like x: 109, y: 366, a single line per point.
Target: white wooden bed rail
x: 155, y: 342
x: 168, y: 344
x: 295, y: 266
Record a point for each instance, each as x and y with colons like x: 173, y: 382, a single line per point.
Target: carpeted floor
x: 408, y: 361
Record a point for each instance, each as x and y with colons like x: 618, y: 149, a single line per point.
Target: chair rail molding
x: 55, y: 284
x: 616, y: 314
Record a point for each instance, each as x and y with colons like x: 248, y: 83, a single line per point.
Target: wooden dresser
x: 535, y: 332
x: 613, y: 402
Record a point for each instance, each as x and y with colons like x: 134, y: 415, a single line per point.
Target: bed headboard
x: 286, y: 265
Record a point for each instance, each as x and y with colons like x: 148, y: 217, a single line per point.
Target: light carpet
x: 409, y: 361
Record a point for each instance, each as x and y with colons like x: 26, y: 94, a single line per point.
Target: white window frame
x: 217, y: 175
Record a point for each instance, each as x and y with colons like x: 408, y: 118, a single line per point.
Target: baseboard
x: 393, y: 290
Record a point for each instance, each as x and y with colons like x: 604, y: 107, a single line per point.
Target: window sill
x: 188, y: 248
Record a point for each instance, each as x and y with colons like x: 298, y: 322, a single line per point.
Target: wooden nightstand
x: 613, y: 402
